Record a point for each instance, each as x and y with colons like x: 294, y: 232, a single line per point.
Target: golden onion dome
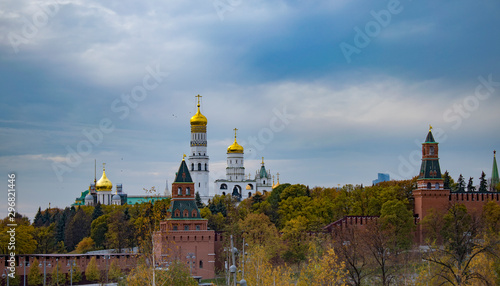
x: 235, y: 147
x: 198, y: 118
x: 104, y: 184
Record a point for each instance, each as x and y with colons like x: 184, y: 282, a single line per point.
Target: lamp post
x: 4, y: 275
x: 190, y: 257
x: 71, y: 270
x: 25, y: 264
x: 44, y: 271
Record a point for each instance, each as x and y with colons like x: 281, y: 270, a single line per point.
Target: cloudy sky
x: 329, y: 92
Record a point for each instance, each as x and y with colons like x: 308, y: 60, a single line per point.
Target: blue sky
x: 278, y: 71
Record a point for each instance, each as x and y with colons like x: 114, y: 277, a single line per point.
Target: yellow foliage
x: 260, y: 272
x: 325, y: 270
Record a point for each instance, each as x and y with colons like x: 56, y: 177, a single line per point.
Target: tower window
x: 192, y: 166
x: 201, y: 264
x: 431, y: 150
x: 186, y: 227
x: 437, y: 186
x: 188, y: 191
x: 179, y: 191
x: 206, y: 167
x: 199, y: 166
x: 429, y: 186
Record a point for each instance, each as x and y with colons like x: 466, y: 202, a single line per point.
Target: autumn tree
x: 114, y: 272
x: 259, y: 270
x: 462, y: 245
x: 325, y: 270
x: 77, y: 228
x: 351, y: 250
x: 35, y: 277
x: 92, y: 272
x: 85, y: 245
x: 177, y: 274
x: 118, y: 233
x: 259, y: 230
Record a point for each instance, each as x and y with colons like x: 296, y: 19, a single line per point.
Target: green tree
x: 470, y: 185
x: 118, y: 232
x: 98, y: 230
x: 35, y: 277
x: 92, y: 272
x: 460, y: 184
x: 97, y: 211
x: 295, y: 238
x: 77, y: 228
x: 483, y: 184
x: 199, y: 203
x: 447, y: 181
x: 398, y: 222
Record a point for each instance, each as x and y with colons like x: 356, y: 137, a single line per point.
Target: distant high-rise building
x: 382, y: 177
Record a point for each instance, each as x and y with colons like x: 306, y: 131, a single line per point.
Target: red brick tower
x: 430, y: 192
x: 185, y: 235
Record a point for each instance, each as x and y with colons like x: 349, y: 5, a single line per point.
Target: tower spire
x: 494, y: 172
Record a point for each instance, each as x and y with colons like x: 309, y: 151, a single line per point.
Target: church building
x: 236, y: 183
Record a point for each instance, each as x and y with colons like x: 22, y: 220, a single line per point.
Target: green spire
x: 494, y: 173
x: 183, y: 175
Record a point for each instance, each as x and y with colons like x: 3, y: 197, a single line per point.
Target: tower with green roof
x: 430, y: 192
x: 184, y: 235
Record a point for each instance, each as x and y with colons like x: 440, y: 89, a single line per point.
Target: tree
x: 97, y: 211
x: 92, y: 273
x: 85, y: 245
x: 77, y: 228
x: 325, y: 270
x: 35, y: 276
x: 114, y: 272
x: 45, y: 237
x: 75, y: 274
x: 259, y: 230
x: 470, y: 185
x: 57, y: 277
x: 398, y: 223
x: 460, y: 184
x: 462, y: 245
x: 177, y: 274
x: 295, y: 237
x: 98, y: 230
x: 351, y: 251
x: 199, y: 203
x: 483, y: 184
x: 447, y: 181
x: 260, y: 271
x: 38, y: 220
x: 118, y: 232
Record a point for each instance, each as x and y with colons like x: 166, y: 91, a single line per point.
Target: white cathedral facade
x: 236, y: 182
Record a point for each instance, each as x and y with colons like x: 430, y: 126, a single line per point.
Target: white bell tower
x: 198, y: 157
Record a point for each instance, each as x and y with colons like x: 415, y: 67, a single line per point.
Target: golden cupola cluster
x: 235, y: 147
x: 104, y: 184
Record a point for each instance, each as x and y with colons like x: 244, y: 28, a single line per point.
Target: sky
x: 328, y: 92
